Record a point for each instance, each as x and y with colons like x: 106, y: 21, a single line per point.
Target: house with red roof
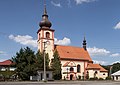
x: 76, y: 61
x: 6, y: 65
x: 7, y: 70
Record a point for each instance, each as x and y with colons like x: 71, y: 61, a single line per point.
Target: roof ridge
x: 68, y: 46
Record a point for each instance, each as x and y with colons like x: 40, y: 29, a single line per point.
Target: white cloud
x: 56, y: 4
x: 64, y: 41
x: 117, y: 26
x: 97, y: 51
x: 115, y: 55
x: 100, y: 62
x: 24, y: 40
x: 83, y: 1
x: 1, y: 52
x: 29, y: 41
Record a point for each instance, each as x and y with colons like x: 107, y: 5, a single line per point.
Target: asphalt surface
x: 63, y: 83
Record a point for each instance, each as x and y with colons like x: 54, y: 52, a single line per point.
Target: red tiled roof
x: 6, y: 63
x: 102, y: 69
x: 96, y: 66
x: 70, y: 52
x: 93, y: 66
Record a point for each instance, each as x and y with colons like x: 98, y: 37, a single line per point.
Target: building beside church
x: 6, y: 65
x: 116, y: 76
x: 7, y: 70
x: 76, y: 61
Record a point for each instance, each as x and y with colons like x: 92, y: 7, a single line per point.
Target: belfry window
x: 78, y: 68
x: 47, y: 35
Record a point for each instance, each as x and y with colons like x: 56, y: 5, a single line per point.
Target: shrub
x: 101, y: 79
x: 93, y: 78
x: 87, y: 77
x: 108, y: 78
x: 79, y: 77
x: 64, y: 78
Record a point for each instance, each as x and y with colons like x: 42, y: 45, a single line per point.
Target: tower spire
x: 45, y: 11
x: 84, y: 44
x: 45, y: 22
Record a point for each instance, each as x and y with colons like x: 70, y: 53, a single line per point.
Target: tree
x: 115, y: 67
x: 24, y: 63
x: 40, y: 60
x: 56, y: 66
x: 6, y: 75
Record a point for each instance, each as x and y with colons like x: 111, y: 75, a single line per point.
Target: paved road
x: 63, y: 83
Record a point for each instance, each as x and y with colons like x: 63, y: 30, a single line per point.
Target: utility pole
x: 44, y: 51
x: 44, y: 44
x: 110, y: 70
x: 44, y: 62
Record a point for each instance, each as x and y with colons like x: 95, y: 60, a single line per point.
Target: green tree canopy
x: 24, y: 63
x: 115, y: 67
x: 56, y: 66
x: 40, y: 60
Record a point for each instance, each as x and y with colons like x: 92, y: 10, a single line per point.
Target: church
x: 76, y: 62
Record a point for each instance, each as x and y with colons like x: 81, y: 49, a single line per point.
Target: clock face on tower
x: 48, y: 42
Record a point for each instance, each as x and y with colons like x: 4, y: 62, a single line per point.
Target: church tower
x: 46, y: 35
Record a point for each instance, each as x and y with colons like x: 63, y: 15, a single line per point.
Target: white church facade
x: 76, y: 61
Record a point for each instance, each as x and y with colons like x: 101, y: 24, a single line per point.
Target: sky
x: 97, y: 20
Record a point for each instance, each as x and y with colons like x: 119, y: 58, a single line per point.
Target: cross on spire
x: 45, y: 11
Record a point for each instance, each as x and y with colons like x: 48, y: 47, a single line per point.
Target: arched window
x: 71, y: 69
x: 87, y: 72
x: 96, y: 72
x: 78, y: 68
x: 47, y: 35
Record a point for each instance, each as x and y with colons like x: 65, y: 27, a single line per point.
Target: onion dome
x: 45, y: 22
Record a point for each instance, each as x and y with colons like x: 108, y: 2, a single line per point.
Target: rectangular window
x: 47, y: 75
x: 116, y: 77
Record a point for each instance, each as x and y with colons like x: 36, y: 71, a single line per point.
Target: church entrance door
x: 71, y: 77
x: 41, y: 76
